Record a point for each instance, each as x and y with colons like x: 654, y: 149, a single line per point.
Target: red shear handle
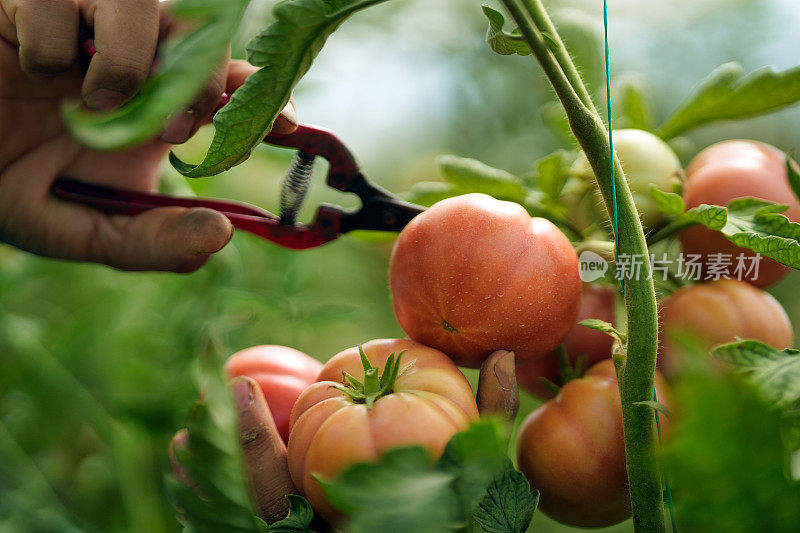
x: 314, y: 140
x: 325, y: 228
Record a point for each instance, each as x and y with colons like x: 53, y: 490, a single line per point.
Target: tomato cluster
x: 473, y: 275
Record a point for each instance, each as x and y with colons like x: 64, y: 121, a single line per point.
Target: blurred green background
x: 96, y: 365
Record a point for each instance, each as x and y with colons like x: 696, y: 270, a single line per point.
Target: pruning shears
x: 380, y: 209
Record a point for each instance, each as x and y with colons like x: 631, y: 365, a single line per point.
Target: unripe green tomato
x: 572, y: 450
x: 717, y: 313
x: 647, y: 161
x: 729, y: 170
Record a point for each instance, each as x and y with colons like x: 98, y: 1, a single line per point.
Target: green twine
x: 611, y: 140
x: 667, y: 490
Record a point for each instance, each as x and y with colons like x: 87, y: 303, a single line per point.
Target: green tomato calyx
x: 376, y: 384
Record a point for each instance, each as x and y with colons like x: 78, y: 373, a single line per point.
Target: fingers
x: 264, y: 451
x: 497, y: 386
x: 169, y: 238
x: 47, y: 34
x: 174, y: 239
x: 125, y: 37
x: 227, y: 79
x: 186, y: 123
x: 238, y: 72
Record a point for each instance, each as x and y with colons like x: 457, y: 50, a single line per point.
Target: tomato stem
x: 637, y: 370
x: 376, y: 385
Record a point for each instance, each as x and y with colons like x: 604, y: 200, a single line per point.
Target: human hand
x: 38, y: 52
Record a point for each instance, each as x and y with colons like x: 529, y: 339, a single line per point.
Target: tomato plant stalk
x: 637, y: 372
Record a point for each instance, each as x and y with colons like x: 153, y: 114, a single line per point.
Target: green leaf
x: 600, y: 325
x: 711, y: 216
x: 552, y: 173
x: 794, y: 176
x: 427, y: 193
x: 474, y: 457
x: 300, y: 516
x: 668, y: 202
x: 776, y: 373
x: 473, y: 484
x: 284, y: 51
x: 212, y: 460
x: 399, y: 492
x: 726, y: 458
x: 508, y: 505
x: 491, y: 493
x: 502, y: 42
x: 632, y: 102
x: 470, y: 175
x: 187, y: 64
x: 759, y: 226
x: 727, y: 94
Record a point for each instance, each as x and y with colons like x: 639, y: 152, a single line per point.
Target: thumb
x: 498, y: 394
x: 175, y: 239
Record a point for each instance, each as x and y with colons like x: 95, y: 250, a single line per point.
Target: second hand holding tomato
x: 435, y: 386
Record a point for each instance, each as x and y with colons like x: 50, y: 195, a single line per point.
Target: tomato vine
x: 636, y: 365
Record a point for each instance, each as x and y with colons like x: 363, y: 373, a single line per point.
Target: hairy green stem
x: 638, y: 370
x: 542, y: 21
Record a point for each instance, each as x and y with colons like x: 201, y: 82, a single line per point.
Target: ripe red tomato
x: 281, y: 372
x: 472, y: 275
x: 729, y: 170
x: 719, y: 312
x: 430, y: 401
x: 597, y: 301
x: 572, y: 450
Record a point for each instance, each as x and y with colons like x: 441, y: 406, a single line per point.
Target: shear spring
x: 295, y: 186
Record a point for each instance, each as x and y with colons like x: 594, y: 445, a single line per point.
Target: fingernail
x: 180, y: 440
x: 286, y: 122
x: 179, y: 128
x: 208, y: 230
x: 504, y: 370
x: 243, y: 393
x: 290, y: 113
x: 105, y: 99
